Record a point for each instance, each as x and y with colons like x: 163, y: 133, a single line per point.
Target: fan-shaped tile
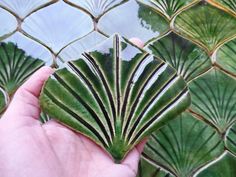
x: 116, y: 95
x: 167, y: 7
x: 3, y: 100
x: 8, y: 23
x: 183, y: 145
x: 223, y: 167
x: 15, y: 66
x: 57, y: 25
x: 148, y: 169
x: 74, y: 50
x: 31, y: 47
x: 226, y: 57
x: 23, y: 8
x: 187, y: 58
x: 96, y: 7
x: 206, y: 25
x: 225, y: 4
x: 231, y: 139
x: 214, y: 98
x: 143, y: 22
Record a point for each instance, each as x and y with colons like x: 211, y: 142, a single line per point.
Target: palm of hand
x: 52, y: 150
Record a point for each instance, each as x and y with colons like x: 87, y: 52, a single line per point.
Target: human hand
x: 29, y: 149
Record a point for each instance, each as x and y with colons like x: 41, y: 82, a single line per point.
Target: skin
x: 28, y: 148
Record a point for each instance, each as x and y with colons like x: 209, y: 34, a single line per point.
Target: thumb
x: 25, y: 106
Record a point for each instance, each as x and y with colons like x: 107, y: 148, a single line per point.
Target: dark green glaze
x: 226, y: 57
x: 224, y: 167
x: 230, y: 139
x: 167, y: 7
x: 214, y: 98
x: 3, y: 100
x: 187, y: 58
x: 116, y: 95
x: 148, y: 169
x: 206, y: 25
x: 169, y: 29
x: 183, y: 145
x: 15, y: 68
x: 227, y: 4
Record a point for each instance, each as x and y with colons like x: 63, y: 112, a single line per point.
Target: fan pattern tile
x: 8, y: 23
x: 57, y: 29
x: 196, y: 37
x: 24, y: 8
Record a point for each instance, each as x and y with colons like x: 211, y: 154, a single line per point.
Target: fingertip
x: 137, y: 42
x: 36, y: 81
x: 41, y: 74
x: 46, y: 69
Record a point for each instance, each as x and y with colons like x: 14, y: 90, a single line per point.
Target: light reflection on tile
x: 31, y: 47
x: 57, y: 25
x: 8, y: 23
x: 74, y: 50
x: 96, y: 7
x: 133, y: 19
x: 23, y: 7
